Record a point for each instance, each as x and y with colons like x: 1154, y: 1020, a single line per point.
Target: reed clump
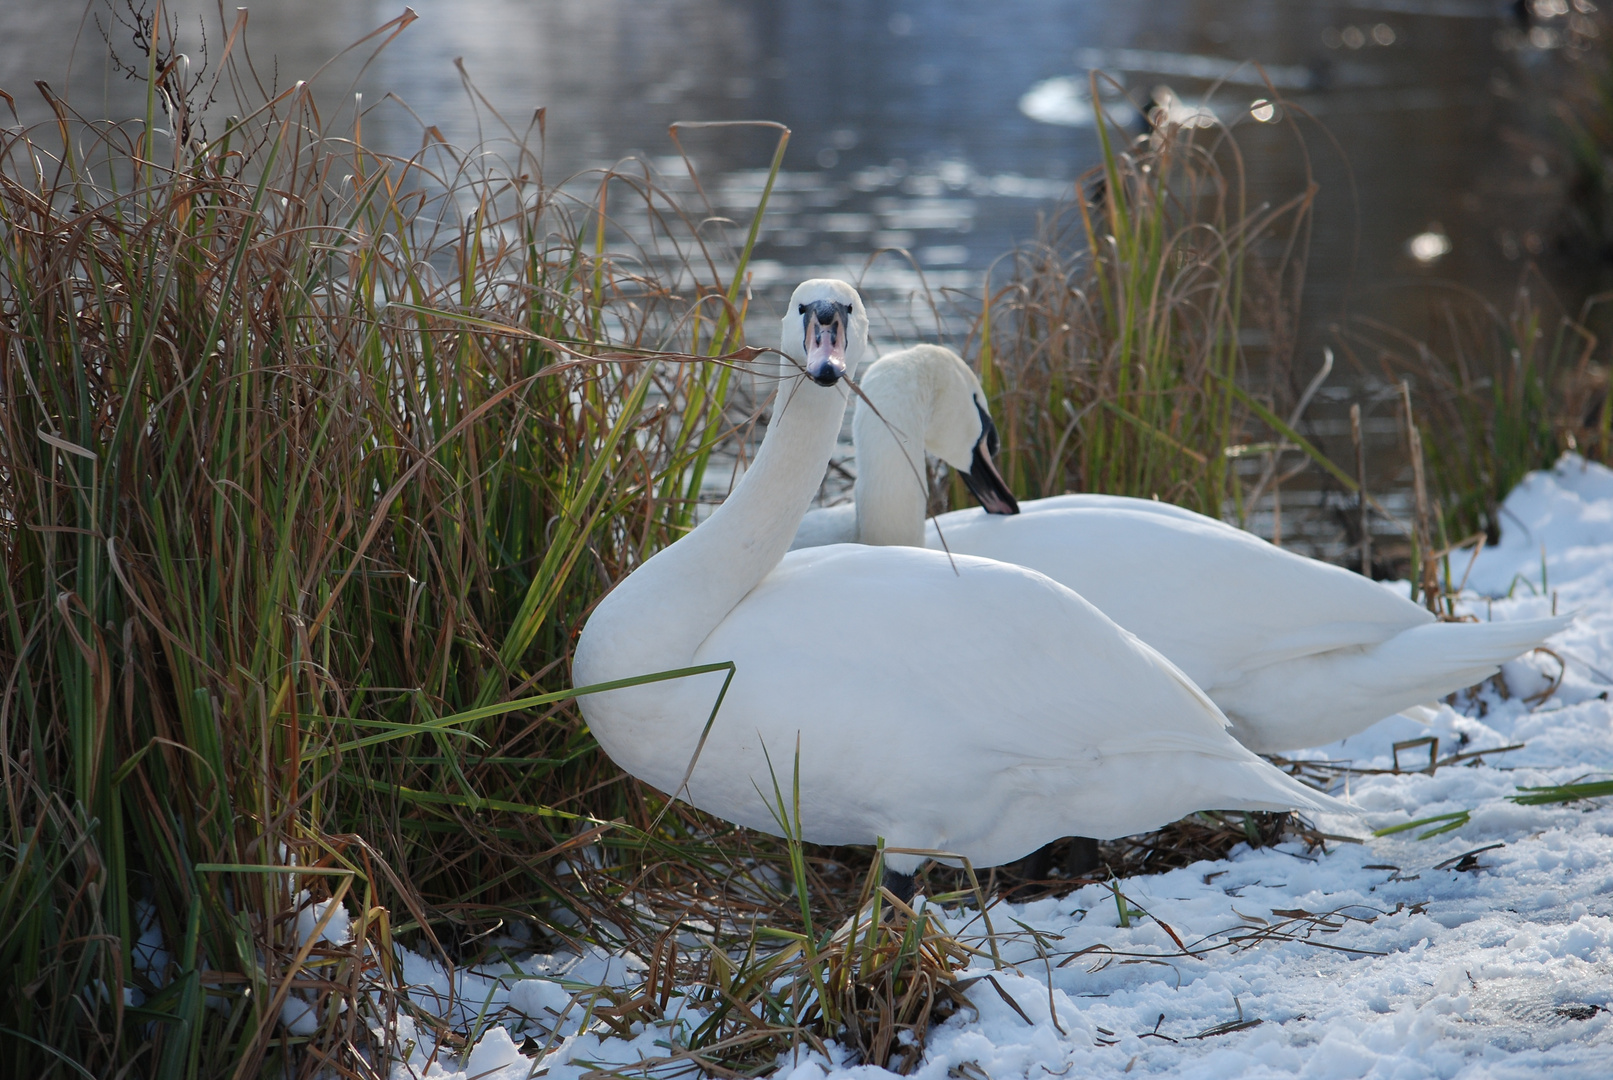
x: 312, y: 460
x: 1121, y: 351
x: 1496, y: 393
x: 874, y: 983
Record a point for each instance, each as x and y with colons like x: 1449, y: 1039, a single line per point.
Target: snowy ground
x: 1499, y: 964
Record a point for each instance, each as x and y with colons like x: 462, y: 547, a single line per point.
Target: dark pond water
x: 946, y: 127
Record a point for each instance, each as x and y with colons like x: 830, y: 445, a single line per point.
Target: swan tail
x: 1180, y: 788
x: 1430, y: 661
x: 1274, y: 790
x: 1315, y: 700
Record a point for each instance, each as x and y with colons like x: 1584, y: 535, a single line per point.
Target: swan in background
x: 1297, y: 652
x: 961, y: 705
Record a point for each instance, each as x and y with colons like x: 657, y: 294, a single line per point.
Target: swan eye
x: 824, y: 312
x: 988, y: 429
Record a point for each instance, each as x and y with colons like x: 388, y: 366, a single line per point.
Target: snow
x: 297, y: 1012
x: 1392, y: 958
x: 148, y: 954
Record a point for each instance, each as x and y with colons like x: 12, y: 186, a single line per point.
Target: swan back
x: 1217, y: 600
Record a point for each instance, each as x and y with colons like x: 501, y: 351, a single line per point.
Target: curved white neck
x: 657, y: 618
x: 892, y: 489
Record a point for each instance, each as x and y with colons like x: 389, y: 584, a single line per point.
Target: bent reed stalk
x: 305, y: 454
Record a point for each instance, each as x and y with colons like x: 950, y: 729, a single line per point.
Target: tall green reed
x: 1113, y: 350
x: 307, y: 452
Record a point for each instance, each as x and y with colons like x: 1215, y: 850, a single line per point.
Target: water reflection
x: 940, y: 128
x: 945, y: 128
x: 1430, y: 246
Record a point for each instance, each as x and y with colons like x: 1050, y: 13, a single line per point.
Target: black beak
x: 983, y: 480
x: 828, y: 376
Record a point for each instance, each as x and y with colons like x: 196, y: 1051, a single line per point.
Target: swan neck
x: 892, y: 487
x: 667, y: 607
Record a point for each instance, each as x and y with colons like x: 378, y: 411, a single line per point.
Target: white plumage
x: 1296, y: 652
x: 964, y: 705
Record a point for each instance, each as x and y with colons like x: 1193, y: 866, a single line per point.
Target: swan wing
x: 960, y: 703
x: 1215, y: 599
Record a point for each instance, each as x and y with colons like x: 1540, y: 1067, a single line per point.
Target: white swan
x: 969, y: 706
x: 1297, y: 652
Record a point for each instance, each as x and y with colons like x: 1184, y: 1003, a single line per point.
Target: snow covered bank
x: 1482, y: 951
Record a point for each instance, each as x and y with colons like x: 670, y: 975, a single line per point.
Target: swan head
x: 958, y: 428
x: 982, y: 478
x: 824, y: 330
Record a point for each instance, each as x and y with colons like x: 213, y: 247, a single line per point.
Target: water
x: 945, y: 128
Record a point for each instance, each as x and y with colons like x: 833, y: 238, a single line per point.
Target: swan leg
x: 900, y: 885
x: 1084, y: 856
x: 1040, y: 864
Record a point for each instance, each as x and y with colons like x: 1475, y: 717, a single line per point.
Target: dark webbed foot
x: 900, y: 885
